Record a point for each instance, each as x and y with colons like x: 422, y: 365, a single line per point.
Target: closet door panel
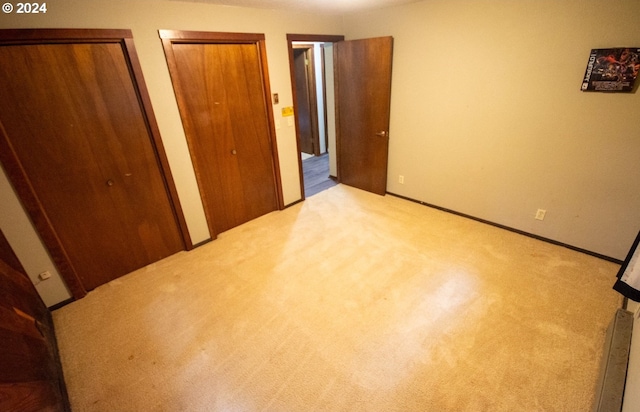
x: 74, y: 120
x: 221, y: 95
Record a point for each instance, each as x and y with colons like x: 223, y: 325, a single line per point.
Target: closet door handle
x: 233, y: 151
x: 382, y: 133
x: 109, y: 182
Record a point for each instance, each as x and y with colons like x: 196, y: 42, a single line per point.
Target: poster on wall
x: 628, y: 282
x: 612, y: 70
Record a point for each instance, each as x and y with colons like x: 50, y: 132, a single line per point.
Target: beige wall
x: 27, y: 246
x: 145, y: 18
x: 487, y: 116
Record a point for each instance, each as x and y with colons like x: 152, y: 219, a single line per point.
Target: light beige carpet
x: 346, y: 302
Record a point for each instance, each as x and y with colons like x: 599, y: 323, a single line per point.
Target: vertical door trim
x: 324, y: 95
x: 171, y: 37
x: 156, y: 141
x: 18, y: 176
x: 292, y: 72
x: 312, y: 93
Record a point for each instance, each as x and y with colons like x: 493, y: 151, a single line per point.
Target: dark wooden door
x: 363, y: 101
x: 222, y: 96
x: 30, y: 371
x: 72, y: 117
x: 306, y: 101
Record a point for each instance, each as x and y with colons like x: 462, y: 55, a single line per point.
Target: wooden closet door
x: 72, y: 116
x: 221, y: 96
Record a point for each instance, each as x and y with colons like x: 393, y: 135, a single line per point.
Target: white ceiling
x: 324, y: 6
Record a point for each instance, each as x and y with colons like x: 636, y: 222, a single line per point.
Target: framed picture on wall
x: 628, y: 282
x: 612, y: 70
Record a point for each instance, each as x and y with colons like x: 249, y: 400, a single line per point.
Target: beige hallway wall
x: 487, y: 116
x: 145, y: 18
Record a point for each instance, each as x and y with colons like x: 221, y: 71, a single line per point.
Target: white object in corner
x: 631, y: 402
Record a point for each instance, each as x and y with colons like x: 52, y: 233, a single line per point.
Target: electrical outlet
x: 401, y: 179
x: 44, y: 275
x: 540, y: 214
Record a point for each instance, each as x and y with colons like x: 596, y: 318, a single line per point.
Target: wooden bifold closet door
x: 220, y: 84
x: 78, y: 147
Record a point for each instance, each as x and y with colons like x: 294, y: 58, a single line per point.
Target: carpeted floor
x: 346, y: 302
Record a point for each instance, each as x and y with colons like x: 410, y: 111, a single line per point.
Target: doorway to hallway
x: 316, y: 175
x: 311, y: 59
x: 352, y: 101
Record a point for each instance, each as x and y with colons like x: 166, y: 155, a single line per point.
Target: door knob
x: 382, y: 133
x: 233, y: 151
x: 109, y: 182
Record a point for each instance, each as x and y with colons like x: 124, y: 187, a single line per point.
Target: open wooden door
x: 306, y: 103
x: 363, y: 101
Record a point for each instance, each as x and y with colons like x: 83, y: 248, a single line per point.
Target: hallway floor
x: 316, y: 175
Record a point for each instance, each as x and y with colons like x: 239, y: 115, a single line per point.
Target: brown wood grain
x: 18, y: 292
x: 38, y: 36
x: 8, y: 256
x: 222, y: 97
x: 81, y: 142
x: 154, y: 133
x: 34, y: 396
x: 30, y: 374
x: 363, y: 96
x: 306, y: 101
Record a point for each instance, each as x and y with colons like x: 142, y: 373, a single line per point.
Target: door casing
x: 20, y: 179
x: 306, y: 105
x: 171, y: 39
x: 291, y: 38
